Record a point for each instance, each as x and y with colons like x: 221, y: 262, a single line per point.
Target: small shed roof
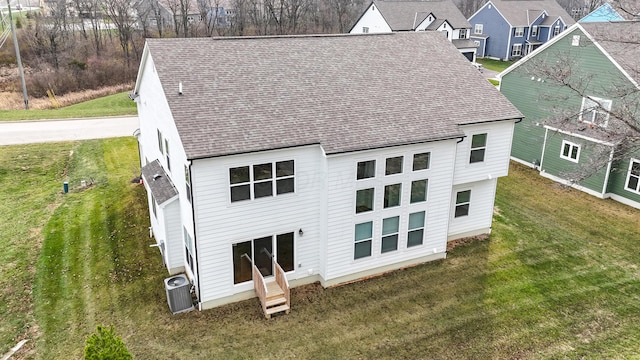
x: 345, y: 92
x: 159, y: 182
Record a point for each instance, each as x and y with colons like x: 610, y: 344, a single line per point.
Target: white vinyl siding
x: 372, y: 21
x: 480, y: 208
x: 220, y: 223
x: 341, y: 201
x: 496, y: 156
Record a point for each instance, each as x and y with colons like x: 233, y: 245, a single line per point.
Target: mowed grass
x: 111, y: 105
x: 495, y: 65
x: 558, y: 278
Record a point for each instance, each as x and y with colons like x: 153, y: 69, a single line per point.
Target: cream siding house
x: 315, y: 156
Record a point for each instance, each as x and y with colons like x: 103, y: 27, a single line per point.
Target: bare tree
x: 120, y: 14
x: 614, y: 120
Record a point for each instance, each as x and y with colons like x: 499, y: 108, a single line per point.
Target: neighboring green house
x: 570, y: 130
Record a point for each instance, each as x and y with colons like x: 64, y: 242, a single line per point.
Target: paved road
x: 27, y: 132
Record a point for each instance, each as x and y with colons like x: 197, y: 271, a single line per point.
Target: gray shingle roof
x: 159, y: 182
x: 406, y: 15
x: 523, y: 12
x: 345, y: 92
x: 620, y: 40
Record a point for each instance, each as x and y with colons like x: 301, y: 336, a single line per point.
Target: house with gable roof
x: 510, y: 29
x: 383, y: 16
x: 318, y: 163
x: 599, y: 52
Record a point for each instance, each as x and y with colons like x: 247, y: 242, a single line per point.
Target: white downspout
x: 544, y: 145
x: 606, y: 176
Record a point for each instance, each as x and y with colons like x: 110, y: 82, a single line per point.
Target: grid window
x: 516, y: 50
x: 363, y: 240
x: 390, y: 234
x: 364, y: 200
x: 518, y: 32
x: 478, y: 148
x: 421, y: 161
x: 463, y: 200
x: 477, y: 29
x: 595, y: 111
x: 419, y: 190
x: 252, y: 182
x: 416, y: 229
x: 393, y: 165
x: 633, y: 177
x: 392, y: 195
x: 366, y: 169
x: 570, y: 151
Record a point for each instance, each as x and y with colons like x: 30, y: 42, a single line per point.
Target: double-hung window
x: 477, y: 29
x: 416, y: 229
x: 166, y: 151
x: 363, y: 240
x: 463, y: 34
x: 518, y: 32
x: 595, y: 111
x: 633, y: 177
x: 534, y: 31
x: 478, y: 148
x: 160, y: 142
x: 188, y: 246
x: 463, y: 200
x: 390, y: 228
x: 556, y: 31
x: 516, y: 50
x: 570, y: 151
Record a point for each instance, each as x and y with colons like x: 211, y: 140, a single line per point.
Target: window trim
x: 363, y: 240
x: 422, y: 228
x: 516, y: 50
x: 518, y: 31
x: 252, y: 181
x: 413, y: 161
x: 458, y: 204
x: 478, y: 28
x: 479, y: 148
x: 534, y: 31
x: 462, y: 34
x: 395, y: 233
x: 571, y: 146
x: 556, y: 30
x: 592, y: 111
x: 629, y: 175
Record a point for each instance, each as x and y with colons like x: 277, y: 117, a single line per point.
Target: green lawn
x: 112, y: 105
x: 558, y: 278
x: 495, y: 65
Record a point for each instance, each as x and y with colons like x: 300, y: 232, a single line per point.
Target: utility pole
x: 20, y: 69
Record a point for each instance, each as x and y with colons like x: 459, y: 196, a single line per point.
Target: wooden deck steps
x: 275, y: 300
x: 274, y: 295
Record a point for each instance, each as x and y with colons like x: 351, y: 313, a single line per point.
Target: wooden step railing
x: 281, y: 280
x: 260, y: 287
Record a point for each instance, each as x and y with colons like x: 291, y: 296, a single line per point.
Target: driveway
x: 27, y: 132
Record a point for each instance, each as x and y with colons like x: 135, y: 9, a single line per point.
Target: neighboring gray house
x: 294, y: 159
x: 432, y: 15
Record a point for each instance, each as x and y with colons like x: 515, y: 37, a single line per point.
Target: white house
x: 435, y: 15
x: 319, y: 158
